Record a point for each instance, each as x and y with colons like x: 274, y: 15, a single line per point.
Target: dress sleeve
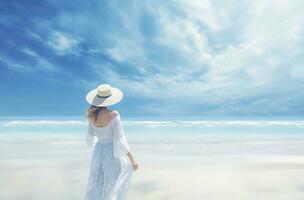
x: 90, y: 137
x: 120, y: 143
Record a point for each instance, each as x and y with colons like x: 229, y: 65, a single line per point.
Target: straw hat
x: 104, y: 95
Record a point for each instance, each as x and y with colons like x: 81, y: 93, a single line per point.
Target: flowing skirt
x: 109, y: 177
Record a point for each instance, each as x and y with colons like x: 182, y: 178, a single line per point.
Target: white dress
x: 111, y: 170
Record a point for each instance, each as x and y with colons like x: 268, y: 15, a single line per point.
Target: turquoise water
x: 165, y: 128
x: 160, y: 131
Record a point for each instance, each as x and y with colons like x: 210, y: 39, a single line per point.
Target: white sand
x: 54, y: 167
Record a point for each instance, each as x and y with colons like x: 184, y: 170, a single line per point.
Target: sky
x: 206, y: 58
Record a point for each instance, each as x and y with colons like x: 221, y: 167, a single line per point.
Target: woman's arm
x: 121, y: 145
x: 133, y: 161
x: 90, y: 137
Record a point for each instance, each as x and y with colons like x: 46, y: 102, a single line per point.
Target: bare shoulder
x: 114, y: 113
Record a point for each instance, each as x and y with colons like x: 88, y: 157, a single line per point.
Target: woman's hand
x: 135, y: 165
x: 133, y: 161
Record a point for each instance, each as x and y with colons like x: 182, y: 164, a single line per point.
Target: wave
x: 174, y: 123
x: 14, y: 123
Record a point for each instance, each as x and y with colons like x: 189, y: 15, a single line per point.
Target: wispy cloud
x: 14, y: 66
x: 40, y: 63
x: 63, y: 43
x: 32, y: 63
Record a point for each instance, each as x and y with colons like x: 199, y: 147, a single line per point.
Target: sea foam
x: 172, y: 123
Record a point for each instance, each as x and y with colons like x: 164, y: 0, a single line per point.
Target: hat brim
x: 94, y: 100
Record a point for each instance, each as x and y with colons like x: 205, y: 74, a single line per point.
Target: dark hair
x: 92, y: 112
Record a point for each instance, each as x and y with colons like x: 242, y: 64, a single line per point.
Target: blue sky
x: 171, y: 58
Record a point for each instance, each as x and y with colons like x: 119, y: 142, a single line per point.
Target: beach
x: 210, y: 94
x: 202, y: 159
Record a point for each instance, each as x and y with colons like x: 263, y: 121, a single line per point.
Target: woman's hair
x: 92, y: 112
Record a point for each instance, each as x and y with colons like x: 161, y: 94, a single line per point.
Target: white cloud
x: 205, y: 13
x: 125, y: 50
x: 63, y: 43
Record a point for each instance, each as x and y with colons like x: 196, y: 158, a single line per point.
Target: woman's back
x: 104, y: 117
x: 101, y: 128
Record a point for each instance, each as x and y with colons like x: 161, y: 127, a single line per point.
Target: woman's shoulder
x: 114, y: 113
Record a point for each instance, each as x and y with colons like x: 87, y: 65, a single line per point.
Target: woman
x: 112, y: 164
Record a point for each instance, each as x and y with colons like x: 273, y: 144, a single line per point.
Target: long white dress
x: 111, y: 170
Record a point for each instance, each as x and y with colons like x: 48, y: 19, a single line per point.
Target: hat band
x: 103, y: 96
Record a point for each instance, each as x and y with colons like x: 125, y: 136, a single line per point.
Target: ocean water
x: 178, y: 159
